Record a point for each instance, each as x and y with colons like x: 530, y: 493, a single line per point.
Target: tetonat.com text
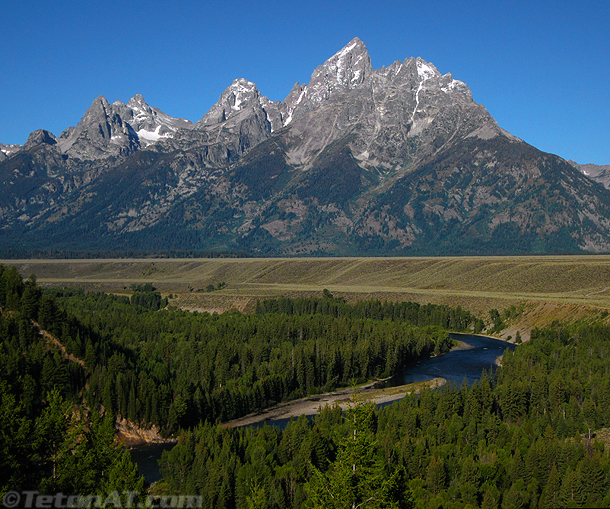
x: 128, y: 499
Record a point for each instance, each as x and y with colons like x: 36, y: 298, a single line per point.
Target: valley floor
x: 547, y: 288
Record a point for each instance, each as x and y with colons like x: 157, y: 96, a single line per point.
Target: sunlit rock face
x: 359, y: 161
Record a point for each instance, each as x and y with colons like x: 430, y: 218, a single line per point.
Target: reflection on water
x: 147, y: 457
x: 454, y: 366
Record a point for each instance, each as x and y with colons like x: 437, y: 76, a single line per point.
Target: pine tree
x: 594, y: 477
x: 16, y: 448
x: 572, y: 491
x: 30, y: 299
x: 489, y: 501
x: 357, y: 478
x: 516, y: 497
x: 123, y: 476
x: 436, y: 475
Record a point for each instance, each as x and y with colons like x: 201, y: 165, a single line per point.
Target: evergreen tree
x: 357, y: 478
x: 17, y: 450
x: 123, y: 476
x: 489, y: 501
x: 436, y: 475
x: 572, y: 491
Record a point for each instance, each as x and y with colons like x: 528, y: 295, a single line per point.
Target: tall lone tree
x: 357, y: 479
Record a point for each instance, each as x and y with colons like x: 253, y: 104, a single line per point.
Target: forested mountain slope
x: 50, y: 442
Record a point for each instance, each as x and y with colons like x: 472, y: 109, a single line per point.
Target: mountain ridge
x: 597, y: 173
x: 397, y: 160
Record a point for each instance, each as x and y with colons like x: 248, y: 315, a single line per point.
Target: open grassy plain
x: 550, y: 287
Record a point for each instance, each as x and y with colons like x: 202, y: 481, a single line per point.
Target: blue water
x: 457, y: 365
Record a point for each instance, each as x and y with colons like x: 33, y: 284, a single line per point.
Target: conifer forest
x: 531, y: 434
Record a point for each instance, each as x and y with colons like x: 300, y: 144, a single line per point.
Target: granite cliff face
x: 117, y: 129
x: 397, y: 160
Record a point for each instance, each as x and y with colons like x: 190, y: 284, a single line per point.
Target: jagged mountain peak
x: 345, y: 70
x: 398, y: 160
x: 381, y: 112
x: 137, y: 101
x: 242, y: 85
x: 100, y: 102
x: 100, y: 99
x: 40, y: 137
x: 238, y: 96
x: 118, y: 129
x: 426, y: 70
x: 102, y: 132
x: 150, y: 123
x: 140, y: 112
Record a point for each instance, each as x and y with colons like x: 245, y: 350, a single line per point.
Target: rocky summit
x: 359, y: 161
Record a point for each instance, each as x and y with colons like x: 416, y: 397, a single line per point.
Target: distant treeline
x: 455, y: 319
x: 13, y: 253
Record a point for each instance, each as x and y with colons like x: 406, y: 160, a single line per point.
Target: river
x: 466, y: 363
x: 461, y: 363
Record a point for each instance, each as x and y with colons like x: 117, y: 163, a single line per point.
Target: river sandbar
x: 312, y: 404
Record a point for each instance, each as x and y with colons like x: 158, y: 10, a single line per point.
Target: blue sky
x: 541, y: 68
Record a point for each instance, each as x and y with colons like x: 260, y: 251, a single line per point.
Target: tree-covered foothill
x: 176, y: 369
x: 49, y: 441
x: 524, y: 437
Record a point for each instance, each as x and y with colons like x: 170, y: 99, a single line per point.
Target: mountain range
x: 359, y: 161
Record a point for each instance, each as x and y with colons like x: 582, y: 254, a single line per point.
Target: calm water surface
x: 147, y: 457
x: 457, y: 365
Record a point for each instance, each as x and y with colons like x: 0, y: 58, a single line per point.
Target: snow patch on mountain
x: 152, y: 136
x: 425, y: 70
x: 238, y: 96
x: 9, y: 150
x: 451, y: 86
x: 345, y: 51
x: 151, y: 124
